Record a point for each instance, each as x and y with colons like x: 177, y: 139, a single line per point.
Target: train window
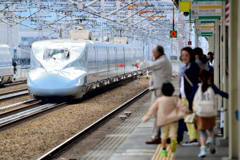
x: 112, y: 58
x: 102, y: 60
x: 91, y: 59
x: 83, y: 60
x: 56, y: 54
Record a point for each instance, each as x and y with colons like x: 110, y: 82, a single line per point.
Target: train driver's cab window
x: 56, y: 54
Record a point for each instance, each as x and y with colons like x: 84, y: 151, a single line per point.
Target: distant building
x: 9, y: 35
x: 28, y: 36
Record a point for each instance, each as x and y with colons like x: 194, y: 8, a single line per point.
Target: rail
x: 15, y: 83
x: 13, y: 94
x: 36, y: 107
x: 20, y: 114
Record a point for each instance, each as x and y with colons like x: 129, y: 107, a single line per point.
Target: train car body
x: 6, y: 69
x: 66, y: 67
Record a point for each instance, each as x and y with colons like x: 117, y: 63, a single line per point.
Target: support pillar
x: 221, y: 48
x: 216, y: 54
x: 102, y: 20
x: 224, y: 70
x: 233, y: 80
x: 211, y: 44
x: 129, y: 14
x: 118, y: 14
x: 196, y: 38
x: 13, y: 28
x: 134, y: 43
x: 235, y: 13
x: 102, y: 33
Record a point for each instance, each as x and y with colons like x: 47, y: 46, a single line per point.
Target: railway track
x: 15, y: 83
x: 57, y: 151
x: 13, y: 94
x: 17, y: 104
x: 14, y: 116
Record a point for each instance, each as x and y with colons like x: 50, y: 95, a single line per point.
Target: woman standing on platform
x: 210, y: 62
x: 201, y: 59
x: 189, y: 78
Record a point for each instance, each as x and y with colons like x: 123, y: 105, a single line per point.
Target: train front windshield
x: 56, y: 53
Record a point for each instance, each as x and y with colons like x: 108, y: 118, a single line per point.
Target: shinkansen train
x: 6, y: 69
x: 72, y: 67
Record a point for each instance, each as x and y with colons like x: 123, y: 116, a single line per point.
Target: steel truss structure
x: 143, y: 22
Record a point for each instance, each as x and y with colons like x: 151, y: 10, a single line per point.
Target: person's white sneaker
x: 209, y: 141
x: 202, y: 152
x: 210, y: 144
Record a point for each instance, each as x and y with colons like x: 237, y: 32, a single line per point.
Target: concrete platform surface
x: 191, y: 152
x: 127, y: 142
x: 135, y: 148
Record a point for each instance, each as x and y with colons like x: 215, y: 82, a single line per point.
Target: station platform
x: 127, y: 142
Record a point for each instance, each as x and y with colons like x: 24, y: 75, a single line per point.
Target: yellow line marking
x: 207, y: 26
x: 210, y: 7
x: 157, y: 154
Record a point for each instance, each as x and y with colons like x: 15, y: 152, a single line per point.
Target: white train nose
x: 53, y: 84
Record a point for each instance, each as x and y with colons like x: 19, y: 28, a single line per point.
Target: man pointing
x: 161, y: 73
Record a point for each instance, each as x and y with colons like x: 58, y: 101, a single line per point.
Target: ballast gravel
x: 33, y: 138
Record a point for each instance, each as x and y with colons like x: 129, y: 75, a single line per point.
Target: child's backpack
x: 205, y: 103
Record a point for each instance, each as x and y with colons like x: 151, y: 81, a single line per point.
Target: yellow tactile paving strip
x: 157, y: 154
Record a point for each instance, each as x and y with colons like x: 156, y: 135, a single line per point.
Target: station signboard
x: 202, y: 0
x: 205, y: 26
x: 204, y: 21
x: 209, y: 26
x: 204, y: 31
x: 205, y: 34
x: 206, y: 10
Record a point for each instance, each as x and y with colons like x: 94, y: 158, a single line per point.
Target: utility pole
x: 101, y: 32
x: 38, y: 19
x: 173, y: 17
x: 102, y: 20
x: 129, y: 14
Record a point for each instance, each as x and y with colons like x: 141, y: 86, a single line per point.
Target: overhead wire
x: 89, y: 14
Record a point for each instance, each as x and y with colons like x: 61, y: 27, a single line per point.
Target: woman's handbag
x: 190, y: 118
